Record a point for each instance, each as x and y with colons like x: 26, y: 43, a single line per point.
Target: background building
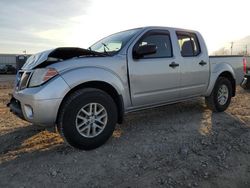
x: 9, y: 63
x: 8, y: 59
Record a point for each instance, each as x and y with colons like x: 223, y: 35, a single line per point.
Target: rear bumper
x: 246, y: 82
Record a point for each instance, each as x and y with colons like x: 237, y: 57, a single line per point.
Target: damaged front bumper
x: 39, y: 105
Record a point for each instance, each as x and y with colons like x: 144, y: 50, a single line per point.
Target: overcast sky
x: 37, y: 25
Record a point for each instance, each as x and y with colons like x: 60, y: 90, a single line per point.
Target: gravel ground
x: 6, y: 80
x: 7, y: 77
x: 181, y: 145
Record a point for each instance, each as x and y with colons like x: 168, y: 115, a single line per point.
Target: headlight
x: 41, y: 76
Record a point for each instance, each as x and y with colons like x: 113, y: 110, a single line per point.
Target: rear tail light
x: 245, y: 65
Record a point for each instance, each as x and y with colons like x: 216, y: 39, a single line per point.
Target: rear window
x: 189, y: 44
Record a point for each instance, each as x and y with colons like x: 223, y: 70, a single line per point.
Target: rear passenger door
x: 194, y: 65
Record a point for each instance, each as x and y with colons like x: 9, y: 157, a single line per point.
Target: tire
x: 213, y: 102
x: 76, y: 110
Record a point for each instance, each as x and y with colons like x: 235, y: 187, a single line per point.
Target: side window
x: 162, y: 42
x: 189, y: 44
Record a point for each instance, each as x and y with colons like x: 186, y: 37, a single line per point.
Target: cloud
x: 49, y: 23
x: 29, y: 22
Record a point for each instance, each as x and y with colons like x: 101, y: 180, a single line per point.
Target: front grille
x: 23, y: 79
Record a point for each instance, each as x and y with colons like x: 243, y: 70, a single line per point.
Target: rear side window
x: 162, y: 42
x: 189, y: 44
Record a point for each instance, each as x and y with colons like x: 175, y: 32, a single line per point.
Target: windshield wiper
x: 106, y: 47
x: 98, y: 53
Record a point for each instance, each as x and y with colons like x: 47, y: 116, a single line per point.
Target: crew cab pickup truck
x: 86, y: 92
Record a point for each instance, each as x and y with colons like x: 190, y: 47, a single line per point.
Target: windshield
x: 113, y: 43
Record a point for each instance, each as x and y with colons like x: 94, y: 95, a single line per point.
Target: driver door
x: 153, y: 79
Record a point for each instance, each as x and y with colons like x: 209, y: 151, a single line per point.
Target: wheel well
x: 230, y: 77
x: 109, y: 89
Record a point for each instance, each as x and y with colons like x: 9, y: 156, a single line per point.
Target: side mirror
x: 144, y: 50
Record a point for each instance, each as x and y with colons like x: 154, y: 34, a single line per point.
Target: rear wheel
x: 221, y: 95
x: 87, y: 118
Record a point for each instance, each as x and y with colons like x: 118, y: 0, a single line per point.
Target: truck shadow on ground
x: 14, y: 139
x: 25, y: 140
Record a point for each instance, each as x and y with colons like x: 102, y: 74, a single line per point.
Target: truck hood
x: 48, y: 57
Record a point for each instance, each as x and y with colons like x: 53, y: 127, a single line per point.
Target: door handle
x: 173, y: 65
x: 202, y: 63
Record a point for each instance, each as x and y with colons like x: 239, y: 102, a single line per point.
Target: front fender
x: 75, y: 77
x: 216, y: 70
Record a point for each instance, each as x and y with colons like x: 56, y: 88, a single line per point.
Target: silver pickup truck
x: 86, y: 92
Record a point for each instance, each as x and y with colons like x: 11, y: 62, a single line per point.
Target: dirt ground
x: 181, y: 145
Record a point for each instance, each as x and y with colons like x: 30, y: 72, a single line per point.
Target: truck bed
x: 235, y: 61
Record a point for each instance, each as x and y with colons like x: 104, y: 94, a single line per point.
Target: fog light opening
x: 28, y: 111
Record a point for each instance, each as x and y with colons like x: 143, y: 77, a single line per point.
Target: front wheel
x: 220, y: 98
x: 87, y: 118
